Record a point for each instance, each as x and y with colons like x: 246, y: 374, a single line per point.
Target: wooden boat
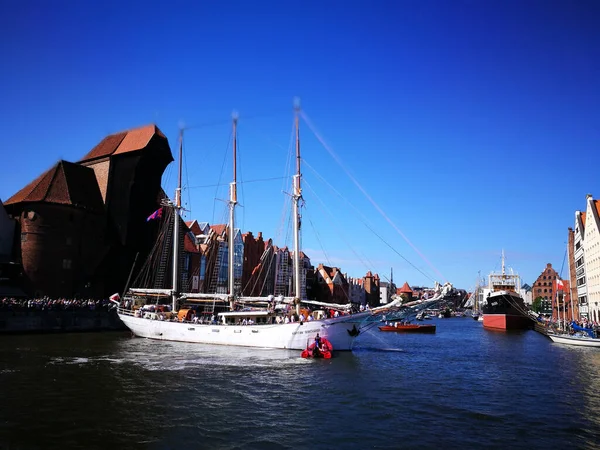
x: 319, y: 348
x: 408, y: 328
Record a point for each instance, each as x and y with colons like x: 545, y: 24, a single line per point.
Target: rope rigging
x: 364, y: 192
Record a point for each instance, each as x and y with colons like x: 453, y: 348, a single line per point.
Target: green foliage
x: 537, y: 304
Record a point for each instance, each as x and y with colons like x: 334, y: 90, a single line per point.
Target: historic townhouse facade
x: 591, y: 250
x: 577, y: 249
x: 544, y: 287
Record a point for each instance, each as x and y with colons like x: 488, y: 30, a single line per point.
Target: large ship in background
x: 503, y: 307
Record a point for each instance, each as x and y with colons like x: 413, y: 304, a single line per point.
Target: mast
x: 176, y: 209
x: 476, y: 298
x: 297, y: 195
x: 232, y: 203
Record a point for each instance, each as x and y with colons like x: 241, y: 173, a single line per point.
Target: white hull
x: 293, y: 336
x: 582, y: 341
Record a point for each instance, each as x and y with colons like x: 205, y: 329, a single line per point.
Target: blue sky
x: 472, y: 125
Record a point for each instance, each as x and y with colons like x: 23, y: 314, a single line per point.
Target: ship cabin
x: 251, y: 317
x: 503, y: 282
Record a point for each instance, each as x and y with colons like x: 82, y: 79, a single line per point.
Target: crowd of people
x: 49, y: 304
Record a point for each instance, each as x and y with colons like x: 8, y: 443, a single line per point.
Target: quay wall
x: 59, y: 321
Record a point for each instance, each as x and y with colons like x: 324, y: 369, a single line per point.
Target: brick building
x: 330, y: 285
x: 81, y: 225
x: 554, y: 293
x: 371, y: 285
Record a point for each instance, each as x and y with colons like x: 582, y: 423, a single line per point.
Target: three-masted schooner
x: 250, y: 327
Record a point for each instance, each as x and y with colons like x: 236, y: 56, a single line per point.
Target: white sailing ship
x: 266, y: 326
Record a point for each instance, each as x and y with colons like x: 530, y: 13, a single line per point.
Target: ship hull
x: 505, y: 310
x: 506, y: 322
x: 341, y: 332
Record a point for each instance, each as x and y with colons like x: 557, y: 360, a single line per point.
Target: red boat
x: 409, y: 328
x: 320, y: 348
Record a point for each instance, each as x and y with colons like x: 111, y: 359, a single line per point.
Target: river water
x: 462, y: 387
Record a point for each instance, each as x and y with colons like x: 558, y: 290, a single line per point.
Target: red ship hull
x: 504, y: 322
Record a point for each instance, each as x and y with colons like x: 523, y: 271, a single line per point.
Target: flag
x: 155, y: 215
x: 115, y: 298
x: 560, y: 285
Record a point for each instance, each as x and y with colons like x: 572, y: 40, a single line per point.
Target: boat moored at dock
x: 503, y: 307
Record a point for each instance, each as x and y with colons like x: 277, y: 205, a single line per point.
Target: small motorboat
x: 576, y: 339
x: 319, y: 348
x: 408, y: 328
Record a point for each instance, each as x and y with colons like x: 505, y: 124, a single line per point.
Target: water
x: 463, y: 387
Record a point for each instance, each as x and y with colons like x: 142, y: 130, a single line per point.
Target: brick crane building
x: 81, y: 225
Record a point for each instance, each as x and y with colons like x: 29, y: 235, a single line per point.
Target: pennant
x: 115, y: 298
x: 155, y: 215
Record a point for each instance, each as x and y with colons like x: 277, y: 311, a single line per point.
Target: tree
x: 537, y: 304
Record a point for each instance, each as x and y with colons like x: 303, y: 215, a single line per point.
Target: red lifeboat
x: 319, y: 348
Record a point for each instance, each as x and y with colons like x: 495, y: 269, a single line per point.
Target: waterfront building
x: 82, y: 225
x: 356, y: 290
x: 63, y: 231
x: 405, y: 291
x: 528, y: 297
x: 305, y: 269
x: 7, y: 233
x: 554, y: 301
x: 385, y: 292
x: 10, y: 269
x: 571, y: 250
x: 254, y: 247
x: 331, y: 285
x: 192, y: 258
x: 591, y: 257
x: 371, y: 285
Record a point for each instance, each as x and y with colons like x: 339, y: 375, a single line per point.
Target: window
x: 66, y: 263
x: 23, y: 237
x: 69, y: 240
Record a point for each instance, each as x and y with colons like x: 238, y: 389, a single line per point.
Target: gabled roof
x: 302, y: 254
x: 219, y: 229
x: 66, y: 183
x: 124, y: 142
x: 194, y: 227
x: 583, y: 219
x: 189, y: 245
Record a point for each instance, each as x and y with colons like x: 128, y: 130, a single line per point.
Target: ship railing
x: 126, y: 312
